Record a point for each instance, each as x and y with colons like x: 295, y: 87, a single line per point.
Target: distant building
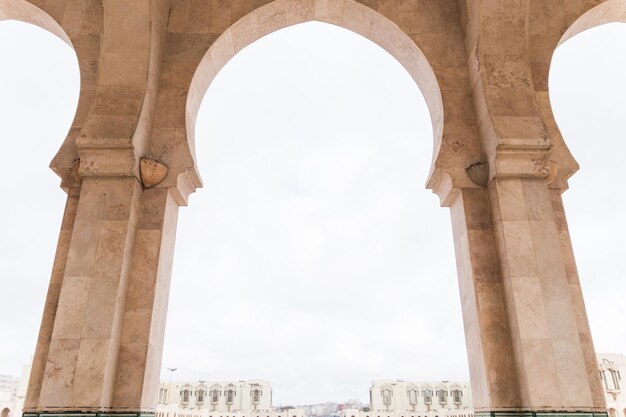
x: 326, y: 409
x: 12, y: 393
x: 251, y: 398
x: 396, y: 398
x: 611, y: 367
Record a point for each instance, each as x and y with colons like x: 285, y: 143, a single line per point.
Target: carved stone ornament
x: 152, y: 172
x: 478, y: 173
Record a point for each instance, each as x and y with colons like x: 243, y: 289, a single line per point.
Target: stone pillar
x: 487, y: 333
x: 82, y: 359
x: 584, y: 332
x: 146, y: 306
x: 99, y: 351
x: 52, y: 300
x: 543, y: 316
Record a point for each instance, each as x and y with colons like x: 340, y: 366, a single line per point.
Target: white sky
x: 313, y: 257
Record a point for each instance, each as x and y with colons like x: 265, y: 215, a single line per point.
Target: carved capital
x: 522, y: 163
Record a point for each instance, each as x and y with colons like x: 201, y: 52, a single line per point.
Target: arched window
x: 230, y: 394
x: 255, y: 394
x: 457, y: 394
x: 412, y: 393
x: 215, y: 394
x: 612, y: 412
x: 184, y: 396
x: 427, y: 393
x: 442, y: 394
x: 200, y: 396
x: 386, y: 394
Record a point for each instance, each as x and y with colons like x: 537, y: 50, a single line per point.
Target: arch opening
x: 249, y: 170
x: 587, y: 95
x: 39, y: 80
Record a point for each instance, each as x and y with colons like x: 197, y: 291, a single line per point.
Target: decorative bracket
x: 478, y: 173
x: 152, y: 172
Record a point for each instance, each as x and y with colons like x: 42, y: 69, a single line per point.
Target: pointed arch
x: 280, y: 14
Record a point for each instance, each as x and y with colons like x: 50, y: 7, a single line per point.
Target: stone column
x: 138, y: 373
x: 99, y: 351
x: 487, y: 333
x: 584, y: 332
x: 52, y: 300
x: 548, y: 354
x: 81, y: 365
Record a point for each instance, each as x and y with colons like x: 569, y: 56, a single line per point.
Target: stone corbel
x: 478, y: 173
x: 152, y: 172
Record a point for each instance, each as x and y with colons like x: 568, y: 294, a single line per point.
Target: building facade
x: 13, y: 393
x: 397, y: 398
x: 251, y: 398
x: 611, y: 367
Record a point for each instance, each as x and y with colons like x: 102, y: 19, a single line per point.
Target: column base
x: 89, y: 414
x: 540, y: 414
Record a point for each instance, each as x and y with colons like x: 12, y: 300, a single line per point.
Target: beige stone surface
x: 482, y: 66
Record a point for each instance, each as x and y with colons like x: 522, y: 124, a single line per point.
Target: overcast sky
x: 313, y: 257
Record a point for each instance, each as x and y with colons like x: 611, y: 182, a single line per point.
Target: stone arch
x: 348, y: 14
x: 80, y: 26
x: 542, y: 42
x: 610, y: 11
x: 26, y: 12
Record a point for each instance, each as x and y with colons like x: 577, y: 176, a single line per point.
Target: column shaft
x: 82, y: 360
x: 584, y: 332
x: 139, y: 365
x: 52, y: 301
x: 493, y: 375
x: 548, y: 354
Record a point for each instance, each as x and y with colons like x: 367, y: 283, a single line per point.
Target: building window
x: 412, y: 396
x: 184, y: 396
x: 256, y: 396
x: 442, y: 395
x: 230, y: 396
x: 215, y: 395
x: 457, y: 395
x: 386, y: 396
x: 428, y: 396
x: 615, y: 376
x: 200, y: 396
